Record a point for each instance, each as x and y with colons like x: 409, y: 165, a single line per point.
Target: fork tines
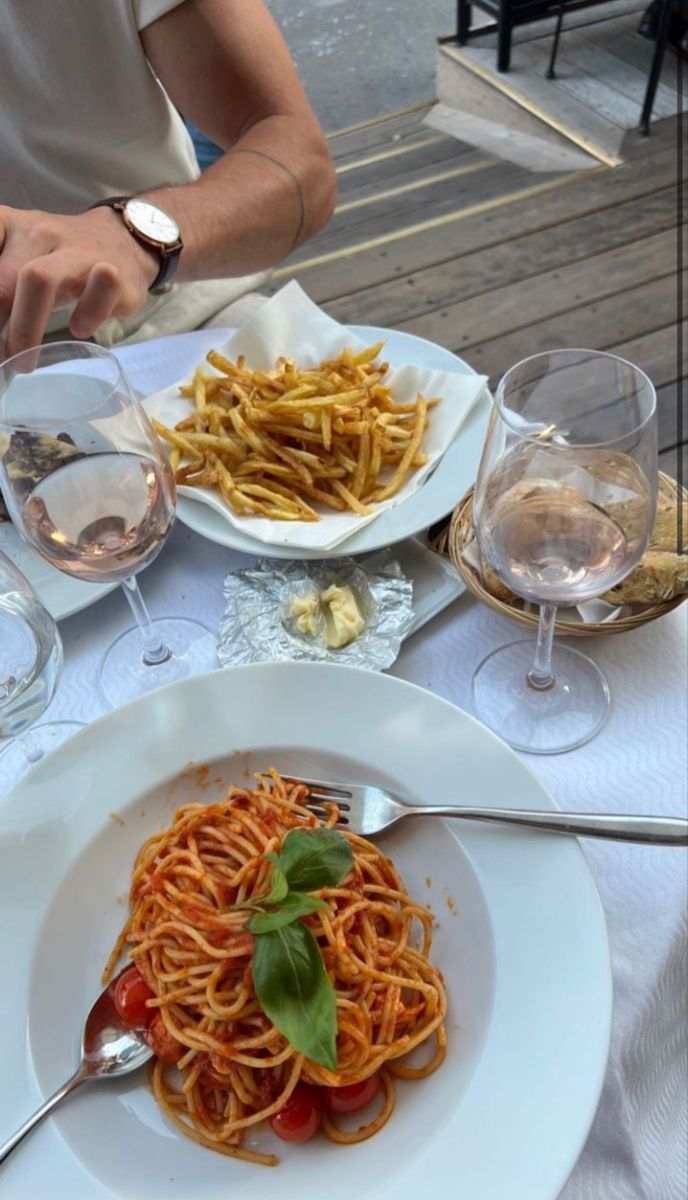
x: 325, y: 792
x: 322, y: 814
x: 320, y: 790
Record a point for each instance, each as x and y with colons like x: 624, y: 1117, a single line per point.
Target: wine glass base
x: 123, y: 675
x: 28, y: 748
x: 541, y: 721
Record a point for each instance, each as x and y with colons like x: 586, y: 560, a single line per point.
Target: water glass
x: 30, y: 663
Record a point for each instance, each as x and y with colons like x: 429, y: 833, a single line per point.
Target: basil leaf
x: 278, y: 884
x: 294, y: 905
x: 315, y: 858
x: 278, y: 889
x: 294, y: 991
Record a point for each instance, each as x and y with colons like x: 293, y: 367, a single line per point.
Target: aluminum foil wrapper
x: 257, y: 627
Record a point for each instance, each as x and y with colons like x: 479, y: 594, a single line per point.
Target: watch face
x: 152, y: 222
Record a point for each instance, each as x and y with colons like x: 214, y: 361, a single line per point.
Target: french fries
x: 274, y: 443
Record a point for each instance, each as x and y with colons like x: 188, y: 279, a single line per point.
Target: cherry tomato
x: 355, y: 1096
x: 131, y: 993
x: 300, y: 1118
x: 161, y: 1041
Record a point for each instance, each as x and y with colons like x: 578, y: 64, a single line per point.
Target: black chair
x: 507, y: 15
x: 670, y: 9
x: 550, y: 72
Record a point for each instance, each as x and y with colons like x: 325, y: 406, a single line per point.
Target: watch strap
x: 169, y: 256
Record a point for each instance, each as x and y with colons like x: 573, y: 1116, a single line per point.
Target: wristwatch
x: 153, y: 228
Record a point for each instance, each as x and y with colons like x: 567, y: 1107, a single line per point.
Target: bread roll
x: 660, y: 575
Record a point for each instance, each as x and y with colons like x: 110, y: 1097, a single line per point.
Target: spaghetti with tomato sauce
x: 221, y: 1067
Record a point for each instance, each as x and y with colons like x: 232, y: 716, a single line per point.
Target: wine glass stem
x: 540, y: 674
x: 155, y: 651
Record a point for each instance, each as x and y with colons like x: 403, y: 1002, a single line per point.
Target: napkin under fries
x: 290, y: 326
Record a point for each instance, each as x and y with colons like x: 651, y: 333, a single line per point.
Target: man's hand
x: 225, y: 65
x: 48, y: 261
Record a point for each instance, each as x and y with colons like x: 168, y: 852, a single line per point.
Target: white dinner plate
x: 453, y: 475
x: 61, y: 595
x: 520, y: 939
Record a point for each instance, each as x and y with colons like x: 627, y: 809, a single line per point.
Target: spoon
x: 109, y: 1048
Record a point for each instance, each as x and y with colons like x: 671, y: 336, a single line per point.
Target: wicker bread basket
x: 454, y: 540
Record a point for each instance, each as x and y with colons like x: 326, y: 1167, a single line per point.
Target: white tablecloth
x: 638, y: 1146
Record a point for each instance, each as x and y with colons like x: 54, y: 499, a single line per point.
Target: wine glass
x: 89, y: 486
x: 30, y: 661
x: 563, y: 508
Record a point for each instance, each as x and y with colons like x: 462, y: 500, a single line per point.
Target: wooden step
x: 539, y: 206
x: 633, y: 316
x: 507, y: 262
x: 424, y: 150
x: 380, y: 130
x: 530, y: 99
x: 543, y: 296
x: 384, y: 223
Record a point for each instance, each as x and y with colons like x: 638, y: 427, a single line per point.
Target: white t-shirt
x: 82, y: 116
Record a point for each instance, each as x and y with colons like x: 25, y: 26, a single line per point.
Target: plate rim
x: 585, y: 886
x: 187, y: 506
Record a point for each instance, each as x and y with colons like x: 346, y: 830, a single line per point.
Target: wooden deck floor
x: 496, y: 262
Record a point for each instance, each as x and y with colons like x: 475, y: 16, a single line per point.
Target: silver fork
x: 369, y: 810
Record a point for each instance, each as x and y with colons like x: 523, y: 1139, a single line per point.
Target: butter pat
x: 306, y: 610
x: 344, y: 620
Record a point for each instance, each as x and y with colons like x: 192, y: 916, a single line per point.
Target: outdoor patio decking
x: 496, y: 262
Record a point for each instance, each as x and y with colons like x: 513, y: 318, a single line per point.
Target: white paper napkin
x: 290, y: 324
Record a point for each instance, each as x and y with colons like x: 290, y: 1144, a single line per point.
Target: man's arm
x: 226, y: 67
x: 275, y: 186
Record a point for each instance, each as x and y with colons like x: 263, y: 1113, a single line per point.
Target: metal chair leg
x: 555, y: 44
x: 661, y: 40
x: 463, y: 21
x: 503, y: 45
